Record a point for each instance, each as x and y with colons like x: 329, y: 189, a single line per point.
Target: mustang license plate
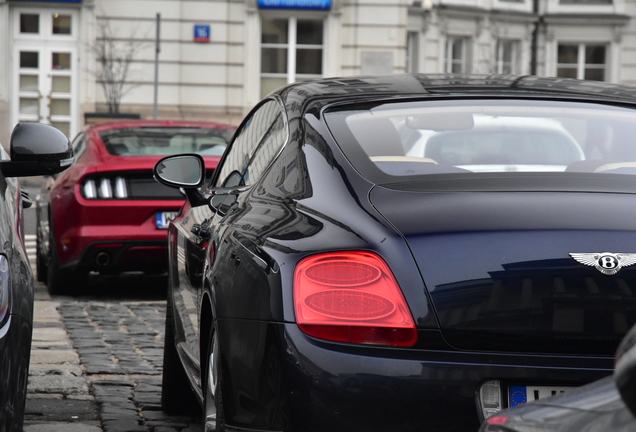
x: 518, y: 395
x: 163, y: 218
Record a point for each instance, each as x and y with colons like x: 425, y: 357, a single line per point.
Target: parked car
x: 106, y: 214
x: 495, y: 143
x: 325, y: 279
x: 34, y: 149
x: 608, y: 404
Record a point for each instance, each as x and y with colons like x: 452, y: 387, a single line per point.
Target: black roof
x: 314, y: 95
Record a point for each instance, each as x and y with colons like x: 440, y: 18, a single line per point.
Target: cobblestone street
x: 96, y: 365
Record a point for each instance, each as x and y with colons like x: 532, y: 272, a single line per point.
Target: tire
x: 176, y: 394
x: 213, y: 414
x: 274, y: 393
x: 41, y: 268
x: 59, y: 281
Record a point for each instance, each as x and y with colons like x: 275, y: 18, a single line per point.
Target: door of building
x: 45, y: 67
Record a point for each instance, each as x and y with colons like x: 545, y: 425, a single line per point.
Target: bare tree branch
x: 113, y: 57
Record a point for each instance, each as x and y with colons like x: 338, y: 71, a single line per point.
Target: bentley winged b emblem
x: 607, y: 263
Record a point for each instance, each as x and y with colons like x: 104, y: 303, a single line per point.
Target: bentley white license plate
x: 518, y: 395
x: 164, y: 218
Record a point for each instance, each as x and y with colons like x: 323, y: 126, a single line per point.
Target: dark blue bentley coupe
x: 403, y: 253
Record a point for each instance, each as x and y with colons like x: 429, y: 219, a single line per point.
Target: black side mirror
x: 185, y: 171
x: 625, y: 370
x: 37, y: 149
x: 182, y: 171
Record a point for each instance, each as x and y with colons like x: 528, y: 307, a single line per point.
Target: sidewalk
x: 58, y: 397
x: 96, y: 364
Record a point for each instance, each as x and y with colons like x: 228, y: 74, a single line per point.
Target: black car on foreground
x: 403, y: 253
x: 35, y: 149
x: 608, y: 404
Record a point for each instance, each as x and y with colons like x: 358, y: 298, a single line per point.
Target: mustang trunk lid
x: 498, y: 268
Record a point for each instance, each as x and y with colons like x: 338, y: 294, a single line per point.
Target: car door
x: 240, y: 275
x: 241, y: 225
x: 200, y: 225
x: 188, y: 250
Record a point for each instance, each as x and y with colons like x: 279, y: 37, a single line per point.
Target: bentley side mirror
x: 625, y: 370
x: 37, y: 149
x: 185, y: 171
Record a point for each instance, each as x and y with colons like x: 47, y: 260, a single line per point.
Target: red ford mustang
x: 106, y: 213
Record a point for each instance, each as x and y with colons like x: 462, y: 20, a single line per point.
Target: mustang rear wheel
x: 41, y: 268
x: 176, y: 395
x: 213, y: 419
x: 59, y: 281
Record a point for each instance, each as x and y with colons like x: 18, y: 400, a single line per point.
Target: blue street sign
x: 202, y: 33
x: 295, y: 4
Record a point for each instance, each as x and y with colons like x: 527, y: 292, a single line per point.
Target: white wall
x: 5, y: 74
x: 196, y: 79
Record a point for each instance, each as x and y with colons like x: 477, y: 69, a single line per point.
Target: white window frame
x: 581, y: 66
x: 46, y: 23
x: 292, y: 47
x: 449, y: 61
x: 515, y: 46
x: 45, y: 42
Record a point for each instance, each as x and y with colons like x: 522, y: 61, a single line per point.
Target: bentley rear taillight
x: 351, y: 297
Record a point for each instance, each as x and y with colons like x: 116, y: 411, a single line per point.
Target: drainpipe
x: 535, y: 36
x: 157, y: 51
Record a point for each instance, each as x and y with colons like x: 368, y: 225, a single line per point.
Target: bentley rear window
x: 405, y: 139
x: 140, y: 141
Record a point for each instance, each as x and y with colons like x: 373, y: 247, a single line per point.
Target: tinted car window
x: 140, y: 141
x: 79, y: 145
x: 265, y: 128
x: 272, y: 142
x: 403, y: 140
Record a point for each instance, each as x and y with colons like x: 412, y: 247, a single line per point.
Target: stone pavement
x: 96, y: 367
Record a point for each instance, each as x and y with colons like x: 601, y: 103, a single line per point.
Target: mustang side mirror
x: 185, y: 171
x: 37, y: 149
x: 625, y: 370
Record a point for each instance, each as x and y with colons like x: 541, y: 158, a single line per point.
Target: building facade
x: 217, y: 58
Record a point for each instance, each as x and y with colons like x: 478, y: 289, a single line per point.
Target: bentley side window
x: 269, y: 148
x: 234, y: 179
x: 247, y: 140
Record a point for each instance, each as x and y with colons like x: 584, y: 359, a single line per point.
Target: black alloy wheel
x: 213, y: 418
x: 59, y: 281
x: 276, y: 407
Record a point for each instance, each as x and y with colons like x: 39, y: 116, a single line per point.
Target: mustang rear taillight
x: 351, y: 297
x: 104, y: 188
